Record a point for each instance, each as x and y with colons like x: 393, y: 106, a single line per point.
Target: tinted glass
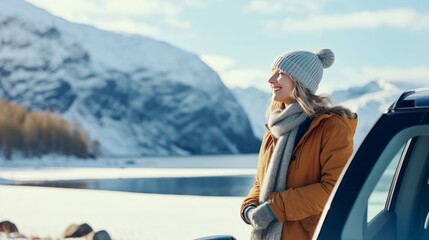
x: 378, y: 197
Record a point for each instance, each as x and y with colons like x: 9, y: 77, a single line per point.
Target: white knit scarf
x: 283, y: 125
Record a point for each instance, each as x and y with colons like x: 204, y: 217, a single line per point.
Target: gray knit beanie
x: 305, y: 67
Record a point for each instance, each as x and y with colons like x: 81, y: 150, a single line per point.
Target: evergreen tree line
x: 34, y: 134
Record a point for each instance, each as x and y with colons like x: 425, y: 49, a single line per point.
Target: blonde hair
x: 312, y: 104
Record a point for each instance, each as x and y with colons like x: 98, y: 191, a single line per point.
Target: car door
x: 383, y: 192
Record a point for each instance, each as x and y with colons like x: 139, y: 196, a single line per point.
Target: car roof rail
x: 415, y: 98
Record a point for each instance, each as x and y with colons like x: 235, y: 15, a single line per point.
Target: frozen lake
x: 200, y: 176
x: 199, y: 186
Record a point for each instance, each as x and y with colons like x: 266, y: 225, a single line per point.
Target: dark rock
x: 101, y: 235
x: 74, y: 230
x: 8, y: 227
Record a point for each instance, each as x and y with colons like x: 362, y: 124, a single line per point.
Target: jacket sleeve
x: 299, y: 203
x: 252, y: 197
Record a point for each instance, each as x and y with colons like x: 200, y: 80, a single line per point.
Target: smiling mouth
x: 275, y: 89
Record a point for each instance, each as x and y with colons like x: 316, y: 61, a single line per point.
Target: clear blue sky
x: 382, y: 39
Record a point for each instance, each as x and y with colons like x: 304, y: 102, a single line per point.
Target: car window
x: 378, y: 197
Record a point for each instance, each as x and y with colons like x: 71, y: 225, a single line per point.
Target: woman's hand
x: 261, y: 216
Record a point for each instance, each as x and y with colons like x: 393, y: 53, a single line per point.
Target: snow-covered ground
x: 46, y: 212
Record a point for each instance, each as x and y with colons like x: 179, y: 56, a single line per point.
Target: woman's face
x: 282, y: 86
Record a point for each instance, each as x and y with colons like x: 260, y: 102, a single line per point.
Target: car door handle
x: 427, y: 222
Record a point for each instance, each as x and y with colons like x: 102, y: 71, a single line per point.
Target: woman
x: 307, y: 144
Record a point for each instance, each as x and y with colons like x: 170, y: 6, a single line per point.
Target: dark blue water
x: 200, y: 186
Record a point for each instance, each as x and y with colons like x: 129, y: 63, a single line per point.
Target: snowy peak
x: 358, y: 91
x: 106, y: 50
x: 370, y: 100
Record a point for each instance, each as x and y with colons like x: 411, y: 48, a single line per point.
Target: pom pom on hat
x: 326, y: 56
x: 305, y: 67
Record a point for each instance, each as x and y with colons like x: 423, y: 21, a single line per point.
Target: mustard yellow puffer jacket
x: 317, y: 161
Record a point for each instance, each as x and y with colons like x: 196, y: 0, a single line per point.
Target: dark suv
x: 383, y: 192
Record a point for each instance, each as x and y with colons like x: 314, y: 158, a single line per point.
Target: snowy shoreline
x: 114, y: 173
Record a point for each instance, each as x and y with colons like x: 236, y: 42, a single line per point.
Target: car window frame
x: 399, y: 172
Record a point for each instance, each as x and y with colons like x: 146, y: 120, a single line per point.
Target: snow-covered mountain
x: 368, y: 101
x: 255, y: 103
x: 136, y: 95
